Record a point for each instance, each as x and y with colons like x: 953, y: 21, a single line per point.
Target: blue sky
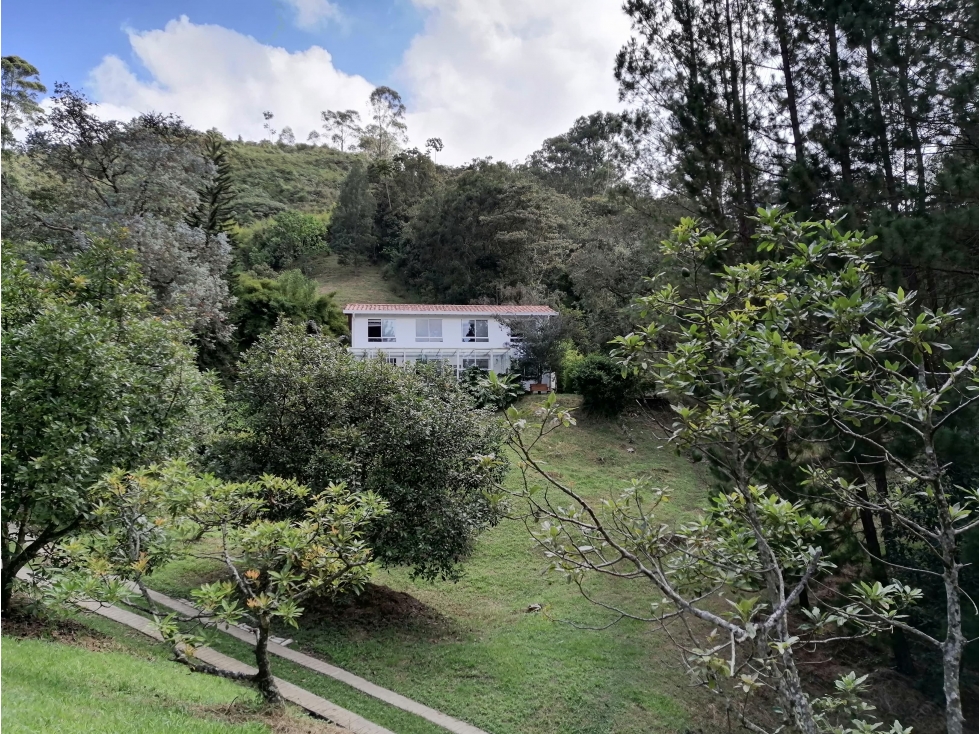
x: 68, y: 38
x: 490, y: 77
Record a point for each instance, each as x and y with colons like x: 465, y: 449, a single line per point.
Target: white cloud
x: 489, y: 77
x: 496, y: 77
x: 215, y: 77
x: 311, y: 13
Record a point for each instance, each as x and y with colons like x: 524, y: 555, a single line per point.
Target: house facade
x: 462, y: 336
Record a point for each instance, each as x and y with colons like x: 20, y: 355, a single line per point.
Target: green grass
x: 53, y: 687
x: 357, y: 284
x: 470, y: 649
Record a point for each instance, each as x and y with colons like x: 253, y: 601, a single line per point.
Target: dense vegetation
x: 813, y: 325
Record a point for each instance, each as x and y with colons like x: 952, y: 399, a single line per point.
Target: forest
x: 770, y: 251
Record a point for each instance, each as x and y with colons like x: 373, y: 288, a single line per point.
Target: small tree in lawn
x: 274, y: 565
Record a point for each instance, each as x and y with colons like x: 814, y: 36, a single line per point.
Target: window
x: 391, y: 360
x: 475, y: 330
x: 428, y: 330
x: 481, y: 362
x: 380, y: 330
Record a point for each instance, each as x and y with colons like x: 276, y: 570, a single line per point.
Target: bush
x: 489, y: 390
x: 599, y: 380
x: 262, y: 302
x: 291, y: 235
x: 308, y: 410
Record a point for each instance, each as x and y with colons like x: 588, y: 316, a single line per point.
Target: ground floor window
x: 482, y: 363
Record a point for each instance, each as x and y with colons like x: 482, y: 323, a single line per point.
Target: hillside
x: 357, y: 283
x: 272, y: 178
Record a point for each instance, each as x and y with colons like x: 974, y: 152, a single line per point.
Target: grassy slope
x: 53, y: 687
x: 475, y: 653
x: 357, y: 284
x: 272, y: 178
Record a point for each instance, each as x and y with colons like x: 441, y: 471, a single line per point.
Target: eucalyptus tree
x: 387, y: 131
x: 343, y: 127
x: 19, y: 105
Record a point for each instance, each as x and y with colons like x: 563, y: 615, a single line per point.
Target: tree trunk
x: 881, y: 126
x: 952, y: 648
x: 264, y: 680
x: 909, y: 118
x: 782, y: 32
x: 842, y: 136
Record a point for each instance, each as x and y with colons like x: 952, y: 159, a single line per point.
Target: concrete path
x: 307, y: 661
x: 299, y: 696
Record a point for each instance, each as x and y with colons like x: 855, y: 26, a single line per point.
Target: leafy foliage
x: 310, y: 411
x: 91, y: 381
x: 18, y: 97
x: 291, y: 296
x: 274, y: 564
x: 290, y: 237
x: 600, y: 382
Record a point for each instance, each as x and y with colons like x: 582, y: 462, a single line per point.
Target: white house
x: 463, y: 336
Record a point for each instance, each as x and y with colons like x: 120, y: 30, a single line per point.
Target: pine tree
x: 352, y: 234
x: 215, y: 214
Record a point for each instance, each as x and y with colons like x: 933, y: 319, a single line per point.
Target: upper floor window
x: 380, y: 330
x: 475, y: 330
x: 428, y: 330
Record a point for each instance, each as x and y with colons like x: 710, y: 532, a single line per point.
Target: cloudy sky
x: 489, y: 77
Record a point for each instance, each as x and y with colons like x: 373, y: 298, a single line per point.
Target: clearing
x: 356, y: 283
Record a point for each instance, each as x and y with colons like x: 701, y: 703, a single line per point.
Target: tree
x: 352, y: 224
x: 487, y: 230
x: 343, y: 127
x: 435, y: 145
x: 383, y: 137
x: 313, y: 138
x: 309, y: 410
x: 141, y: 181
x: 804, y: 343
x: 287, y: 136
x: 262, y: 302
x: 215, y: 214
x: 268, y: 117
x: 585, y: 161
x: 18, y: 100
x: 91, y: 380
x: 274, y: 565
x: 292, y: 236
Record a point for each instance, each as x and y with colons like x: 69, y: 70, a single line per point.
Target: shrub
x: 262, y: 302
x: 600, y: 382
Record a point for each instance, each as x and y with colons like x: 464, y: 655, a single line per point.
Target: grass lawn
x: 357, y: 284
x: 471, y: 649
x: 54, y: 687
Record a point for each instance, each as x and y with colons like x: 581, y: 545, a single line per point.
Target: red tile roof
x: 407, y: 308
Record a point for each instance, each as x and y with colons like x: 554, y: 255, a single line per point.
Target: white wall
x: 404, y: 332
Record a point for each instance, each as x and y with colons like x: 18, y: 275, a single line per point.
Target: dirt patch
x: 279, y: 720
x: 25, y: 623
x: 377, y: 607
